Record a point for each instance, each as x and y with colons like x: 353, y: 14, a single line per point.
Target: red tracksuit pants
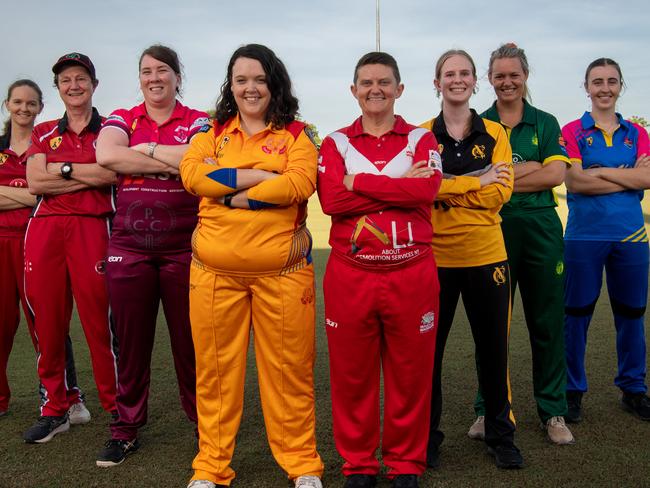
x: 376, y: 321
x: 12, y: 291
x: 64, y: 258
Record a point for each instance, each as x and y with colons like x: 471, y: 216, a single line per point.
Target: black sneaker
x: 506, y: 456
x: 115, y: 452
x: 433, y: 457
x: 405, y: 481
x: 360, y: 481
x: 637, y: 404
x: 574, y: 407
x: 45, y: 428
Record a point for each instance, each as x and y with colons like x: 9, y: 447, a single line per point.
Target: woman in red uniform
x: 65, y: 245
x: 150, y: 250
x: 24, y: 102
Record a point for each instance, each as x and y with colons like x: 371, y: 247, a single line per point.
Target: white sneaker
x: 201, y: 484
x: 557, y: 431
x: 78, y: 414
x: 308, y: 481
x: 477, y: 430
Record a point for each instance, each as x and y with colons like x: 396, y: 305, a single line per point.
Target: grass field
x: 612, y: 448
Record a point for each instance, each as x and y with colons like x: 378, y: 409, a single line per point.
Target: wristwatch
x: 66, y: 171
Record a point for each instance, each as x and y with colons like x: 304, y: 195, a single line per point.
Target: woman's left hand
x: 643, y: 161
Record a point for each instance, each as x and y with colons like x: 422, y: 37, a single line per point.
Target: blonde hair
x: 510, y: 50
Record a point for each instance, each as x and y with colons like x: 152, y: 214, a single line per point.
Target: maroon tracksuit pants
x: 137, y: 283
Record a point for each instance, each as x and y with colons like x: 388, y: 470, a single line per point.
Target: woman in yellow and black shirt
x: 469, y: 248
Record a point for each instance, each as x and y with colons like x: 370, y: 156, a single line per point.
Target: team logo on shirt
x: 180, y: 134
x: 307, y: 296
x: 559, y: 268
x: 274, y: 145
x: 3, y: 158
x: 428, y: 322
x: 535, y: 140
x: 55, y: 142
x: 499, y: 275
x: 590, y: 141
x: 133, y: 125
x: 517, y: 158
x: 628, y: 143
x: 435, y: 160
x: 561, y: 141
x: 478, y: 152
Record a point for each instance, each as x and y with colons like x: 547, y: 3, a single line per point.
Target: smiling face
x: 603, y: 87
x: 23, y: 105
x: 456, y: 81
x: 158, y: 82
x: 250, y: 88
x: 75, y: 86
x: 376, y: 89
x: 508, y: 79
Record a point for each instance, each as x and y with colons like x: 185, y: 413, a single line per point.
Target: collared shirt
x: 154, y: 212
x: 386, y: 220
x: 612, y: 216
x: 270, y: 238
x: 61, y: 145
x: 536, y: 137
x: 466, y: 217
x: 12, y: 173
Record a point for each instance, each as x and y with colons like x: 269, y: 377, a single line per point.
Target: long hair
x: 5, y: 138
x: 283, y: 106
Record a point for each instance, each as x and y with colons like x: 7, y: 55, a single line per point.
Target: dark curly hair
x: 283, y: 106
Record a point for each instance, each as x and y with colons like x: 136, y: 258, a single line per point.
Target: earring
x: 475, y: 89
x: 437, y: 93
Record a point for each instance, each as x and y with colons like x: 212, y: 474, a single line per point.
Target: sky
x: 321, y: 41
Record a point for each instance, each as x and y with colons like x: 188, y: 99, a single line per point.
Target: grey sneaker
x: 477, y: 430
x: 557, y: 431
x: 78, y: 414
x: 202, y: 484
x: 308, y: 481
x: 45, y: 428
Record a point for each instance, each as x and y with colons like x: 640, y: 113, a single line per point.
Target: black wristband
x: 66, y: 171
x: 227, y: 200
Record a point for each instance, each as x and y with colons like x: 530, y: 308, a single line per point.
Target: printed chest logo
x: 150, y: 225
x: 627, y: 143
x: 133, y: 125
x: 478, y: 151
x: 517, y: 158
x: 180, y: 134
x: 590, y: 141
x: 55, y: 142
x: 559, y: 268
x: 275, y: 145
x: 499, y: 275
x: 534, y: 140
x: 222, y: 144
x: 3, y: 158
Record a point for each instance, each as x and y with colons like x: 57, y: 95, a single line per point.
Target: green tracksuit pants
x: 535, y: 253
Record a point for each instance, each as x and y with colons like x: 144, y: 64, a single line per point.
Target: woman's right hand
x: 498, y: 173
x: 420, y: 169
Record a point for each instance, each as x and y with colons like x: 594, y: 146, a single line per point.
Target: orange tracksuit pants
x: 281, y: 311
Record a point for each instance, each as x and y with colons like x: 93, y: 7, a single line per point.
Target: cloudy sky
x: 320, y: 41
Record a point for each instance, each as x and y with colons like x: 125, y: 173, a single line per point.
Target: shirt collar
x: 399, y: 127
x: 588, y: 122
x: 477, y: 125
x: 93, y: 126
x: 234, y: 125
x: 140, y: 112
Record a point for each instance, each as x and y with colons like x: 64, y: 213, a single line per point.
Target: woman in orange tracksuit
x: 252, y: 265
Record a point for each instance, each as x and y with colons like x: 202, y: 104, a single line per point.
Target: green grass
x: 612, y: 447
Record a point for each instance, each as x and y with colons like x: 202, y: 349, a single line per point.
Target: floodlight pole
x: 378, y: 48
